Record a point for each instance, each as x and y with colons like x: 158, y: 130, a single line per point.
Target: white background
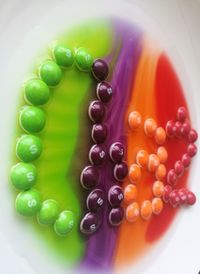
x: 26, y: 27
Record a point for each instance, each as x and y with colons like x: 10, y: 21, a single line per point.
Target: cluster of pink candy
x: 181, y: 128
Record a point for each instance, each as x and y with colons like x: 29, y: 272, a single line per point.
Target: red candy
x: 174, y: 198
x: 179, y: 168
x: 192, y: 136
x: 171, y: 177
x: 191, y: 198
x: 181, y: 114
x: 186, y: 160
x: 167, y: 191
x: 182, y: 193
x: 177, y: 129
x: 185, y: 129
x: 192, y: 150
x: 169, y: 128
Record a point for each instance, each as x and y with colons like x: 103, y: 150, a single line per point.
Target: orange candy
x: 150, y: 127
x: 132, y: 212
x: 158, y: 189
x: 157, y: 205
x: 160, y: 136
x: 160, y: 172
x: 153, y: 162
x: 162, y: 154
x: 134, y: 173
x: 146, y: 210
x: 130, y: 193
x: 134, y: 120
x: 142, y: 158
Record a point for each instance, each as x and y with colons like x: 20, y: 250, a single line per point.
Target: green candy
x: 28, y: 202
x: 48, y: 212
x: 28, y: 148
x: 83, y: 59
x: 36, y: 92
x: 64, y: 56
x: 64, y: 223
x: 32, y: 119
x: 50, y: 73
x: 23, y: 176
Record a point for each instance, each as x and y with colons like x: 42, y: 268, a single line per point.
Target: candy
x: 146, y: 210
x: 116, y: 152
x: 160, y: 136
x: 130, y: 193
x: 32, y: 119
x: 36, y: 92
x: 96, y: 111
x: 162, y: 154
x: 169, y: 128
x: 174, y: 198
x: 97, y: 155
x: 64, y: 223
x: 28, y: 148
x: 89, y: 223
x: 160, y: 172
x: 89, y: 177
x: 104, y: 92
x: 178, y: 129
x: 181, y: 114
x: 185, y: 129
x: 48, y: 212
x: 150, y: 127
x: 192, y: 136
x: 171, y: 177
x: 23, y: 176
x: 116, y: 216
x: 153, y: 162
x: 167, y: 191
x: 95, y: 199
x: 99, y: 133
x: 28, y: 202
x: 158, y: 189
x: 100, y: 70
x: 182, y: 193
x: 191, y: 150
x: 179, y: 168
x: 191, y: 198
x: 142, y: 158
x: 120, y: 171
x: 115, y: 196
x: 134, y: 120
x: 134, y: 173
x: 186, y: 160
x: 83, y: 59
x: 63, y: 56
x: 157, y: 206
x: 132, y: 212
x: 50, y: 73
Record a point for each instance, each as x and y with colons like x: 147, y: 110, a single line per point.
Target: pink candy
x: 167, y: 191
x: 171, y: 177
x: 177, y: 129
x: 185, y: 129
x: 191, y: 198
x: 191, y: 150
x: 170, y: 128
x: 186, y: 160
x: 192, y: 136
x: 181, y: 114
x: 179, y: 168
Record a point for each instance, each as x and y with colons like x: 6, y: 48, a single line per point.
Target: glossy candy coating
x: 150, y: 127
x: 83, y: 59
x: 99, y: 133
x: 120, y: 171
x: 104, y: 92
x: 192, y: 136
x: 95, y: 200
x: 179, y: 168
x: 64, y: 223
x: 130, y: 193
x: 115, y: 196
x: 23, y: 175
x: 134, y: 120
x: 32, y: 119
x: 97, y: 155
x: 186, y: 160
x: 50, y: 73
x: 28, y: 202
x: 132, y: 212
x: 153, y: 162
x: 96, y: 111
x: 116, y: 216
x: 89, y: 224
x: 142, y: 158
x: 192, y: 150
x: 158, y: 189
x: 116, y: 152
x: 181, y: 114
x: 160, y: 136
x: 63, y: 56
x: 28, y: 148
x: 160, y: 172
x: 146, y: 210
x: 134, y: 173
x: 89, y: 177
x: 157, y: 206
x: 48, y: 212
x: 36, y: 92
x: 100, y: 69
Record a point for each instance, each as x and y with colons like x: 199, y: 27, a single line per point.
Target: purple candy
x: 115, y: 196
x: 104, y: 92
x: 116, y: 152
x: 89, y: 177
x: 95, y: 199
x: 99, y: 133
x: 89, y: 223
x: 97, y: 155
x: 100, y: 69
x: 116, y: 216
x: 120, y: 171
x: 96, y: 111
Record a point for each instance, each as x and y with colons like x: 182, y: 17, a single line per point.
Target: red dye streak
x: 169, y: 96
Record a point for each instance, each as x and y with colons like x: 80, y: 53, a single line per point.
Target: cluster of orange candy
x: 154, y: 163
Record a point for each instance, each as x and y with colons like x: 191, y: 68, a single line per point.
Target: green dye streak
x: 60, y: 138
